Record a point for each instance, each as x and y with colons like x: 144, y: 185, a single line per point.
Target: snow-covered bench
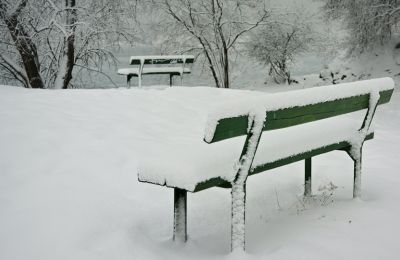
x: 172, y: 65
x: 300, y: 134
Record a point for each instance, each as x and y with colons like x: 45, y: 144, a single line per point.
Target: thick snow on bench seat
x: 190, y: 162
x: 187, y: 160
x: 153, y: 70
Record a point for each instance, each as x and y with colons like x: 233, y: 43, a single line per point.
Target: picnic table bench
x: 172, y: 65
x: 306, y: 112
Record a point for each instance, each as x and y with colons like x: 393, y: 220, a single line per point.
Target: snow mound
x: 69, y: 189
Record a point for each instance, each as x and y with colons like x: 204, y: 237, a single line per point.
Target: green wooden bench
x: 252, y: 125
x: 172, y: 65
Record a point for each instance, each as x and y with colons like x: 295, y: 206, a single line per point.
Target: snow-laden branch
x: 15, y: 69
x: 50, y: 37
x: 217, y: 26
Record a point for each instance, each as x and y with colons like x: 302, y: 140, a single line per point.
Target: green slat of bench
x: 268, y: 166
x: 299, y: 115
x: 162, y: 61
x: 299, y: 157
x: 237, y: 126
x: 230, y: 127
x: 159, y: 73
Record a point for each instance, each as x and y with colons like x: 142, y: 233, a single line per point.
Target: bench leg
x: 307, y: 177
x: 170, y: 80
x: 128, y: 80
x: 357, y: 158
x: 180, y: 215
x: 238, y: 232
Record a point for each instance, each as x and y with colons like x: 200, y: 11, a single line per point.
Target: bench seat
x: 154, y: 70
x: 193, y: 165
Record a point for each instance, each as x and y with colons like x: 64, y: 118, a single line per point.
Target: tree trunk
x: 24, y: 45
x: 226, y: 69
x: 67, y: 61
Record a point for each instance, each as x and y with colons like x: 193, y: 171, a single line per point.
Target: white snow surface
x: 69, y: 189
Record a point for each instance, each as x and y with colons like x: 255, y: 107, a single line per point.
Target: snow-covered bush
x: 369, y: 22
x: 277, y: 43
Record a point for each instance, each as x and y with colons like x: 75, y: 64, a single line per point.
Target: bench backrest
x: 290, y: 116
x: 160, y: 59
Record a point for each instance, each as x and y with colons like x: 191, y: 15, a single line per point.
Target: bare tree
x: 67, y: 60
x: 49, y: 42
x: 278, y: 43
x: 213, y: 28
x: 29, y: 74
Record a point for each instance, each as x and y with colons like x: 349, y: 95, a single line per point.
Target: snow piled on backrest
x: 142, y: 58
x: 292, y: 99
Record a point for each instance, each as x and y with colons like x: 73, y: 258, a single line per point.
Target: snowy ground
x: 69, y: 189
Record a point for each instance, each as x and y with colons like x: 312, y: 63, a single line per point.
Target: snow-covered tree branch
x: 214, y: 27
x: 45, y: 39
x: 369, y: 22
